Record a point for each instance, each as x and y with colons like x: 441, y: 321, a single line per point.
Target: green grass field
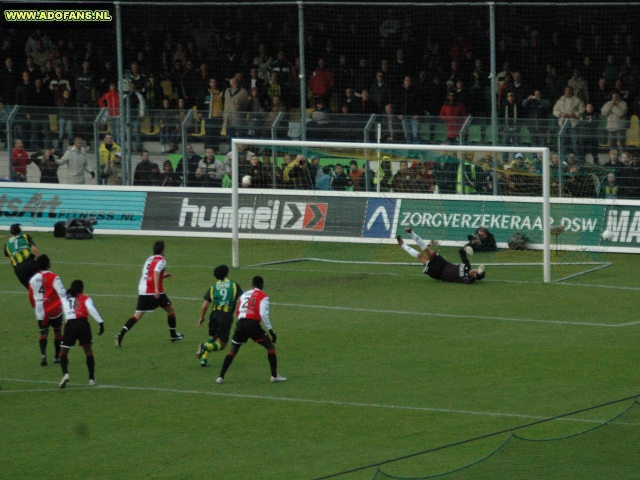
x: 382, y: 362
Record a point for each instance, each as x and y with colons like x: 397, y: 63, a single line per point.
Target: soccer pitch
x: 382, y: 362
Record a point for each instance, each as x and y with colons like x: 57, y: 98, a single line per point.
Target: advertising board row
x: 348, y: 217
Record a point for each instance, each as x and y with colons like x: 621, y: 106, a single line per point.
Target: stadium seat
x: 201, y: 132
x: 475, y: 134
x: 146, y: 128
x: 633, y: 134
x: 425, y: 132
x: 440, y: 135
x: 53, y: 123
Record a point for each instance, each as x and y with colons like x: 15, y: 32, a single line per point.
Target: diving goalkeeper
x: 438, y: 268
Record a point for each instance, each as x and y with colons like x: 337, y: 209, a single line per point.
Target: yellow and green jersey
x: 18, y: 248
x: 223, y: 295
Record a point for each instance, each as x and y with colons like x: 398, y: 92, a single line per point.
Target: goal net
x: 347, y: 203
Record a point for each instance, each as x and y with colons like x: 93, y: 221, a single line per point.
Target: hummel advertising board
x: 258, y: 213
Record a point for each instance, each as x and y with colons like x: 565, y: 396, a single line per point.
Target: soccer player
x: 223, y: 295
x: 438, y: 268
x: 253, y: 308
x: 22, y: 253
x: 151, y: 294
x: 45, y: 294
x: 77, y: 308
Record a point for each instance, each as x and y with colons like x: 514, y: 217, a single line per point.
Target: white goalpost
x: 381, y: 148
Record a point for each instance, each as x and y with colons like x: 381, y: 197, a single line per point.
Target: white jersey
x: 147, y: 285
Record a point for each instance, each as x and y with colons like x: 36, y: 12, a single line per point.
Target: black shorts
x: 52, y: 322
x: 248, y: 329
x: 26, y: 270
x: 435, y: 266
x: 77, y: 330
x: 148, y: 303
x: 220, y: 325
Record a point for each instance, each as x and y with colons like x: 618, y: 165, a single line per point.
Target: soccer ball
x: 607, y: 235
x: 246, y: 181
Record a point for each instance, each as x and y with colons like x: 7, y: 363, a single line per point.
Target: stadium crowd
x: 238, y: 79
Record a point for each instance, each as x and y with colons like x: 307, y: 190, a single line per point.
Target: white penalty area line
x: 400, y: 312
x: 289, y: 400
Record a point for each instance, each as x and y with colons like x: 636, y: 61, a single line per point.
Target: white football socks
x: 409, y: 250
x: 421, y: 243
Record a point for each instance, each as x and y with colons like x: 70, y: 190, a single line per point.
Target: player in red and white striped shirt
x: 45, y: 294
x: 151, y: 294
x: 77, y: 308
x: 253, y: 308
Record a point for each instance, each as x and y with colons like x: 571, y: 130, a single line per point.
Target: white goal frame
x: 546, y: 189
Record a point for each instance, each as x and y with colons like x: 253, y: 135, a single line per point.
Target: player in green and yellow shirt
x: 22, y: 253
x: 223, y: 296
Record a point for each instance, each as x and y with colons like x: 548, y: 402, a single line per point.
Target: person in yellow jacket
x: 107, y: 154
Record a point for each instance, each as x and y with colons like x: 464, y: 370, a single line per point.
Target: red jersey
x: 45, y: 294
x: 254, y: 305
x: 80, y: 307
x: 147, y: 285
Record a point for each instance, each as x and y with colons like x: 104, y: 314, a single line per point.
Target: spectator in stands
x: 210, y: 170
x: 569, y: 108
x: 321, y: 81
x: 59, y: 84
x: 350, y: 100
x: 236, y: 102
x: 143, y: 174
x: 402, y: 179
x: 359, y: 177
x: 111, y: 101
x: 453, y: 114
x: 379, y: 92
x: 511, y: 126
x: 538, y: 110
x: 42, y: 101
x: 107, y: 153
x: 616, y: 112
x: 19, y: 161
x: 33, y: 69
x: 300, y: 174
x: 408, y: 110
x: 113, y: 170
x: 153, y: 94
x: 77, y: 163
x: 192, y: 165
x: 613, y: 163
x: 190, y: 85
x: 165, y: 120
x: 46, y: 162
x: 212, y: 100
x: 9, y: 79
x: 273, y: 88
x: 580, y: 85
x: 480, y: 88
x: 284, y: 69
x: 323, y: 182
x: 138, y: 110
x: 315, y: 169
x: 254, y: 81
x: 506, y: 87
x: 391, y: 126
x: 339, y: 180
x: 259, y: 177
x: 436, y: 96
x: 609, y: 187
x: 169, y: 177
x: 84, y: 83
x: 590, y: 130
x: 602, y: 95
x: 66, y: 113
x: 106, y: 77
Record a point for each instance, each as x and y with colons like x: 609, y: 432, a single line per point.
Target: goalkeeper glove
x: 274, y: 337
x: 101, y: 329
